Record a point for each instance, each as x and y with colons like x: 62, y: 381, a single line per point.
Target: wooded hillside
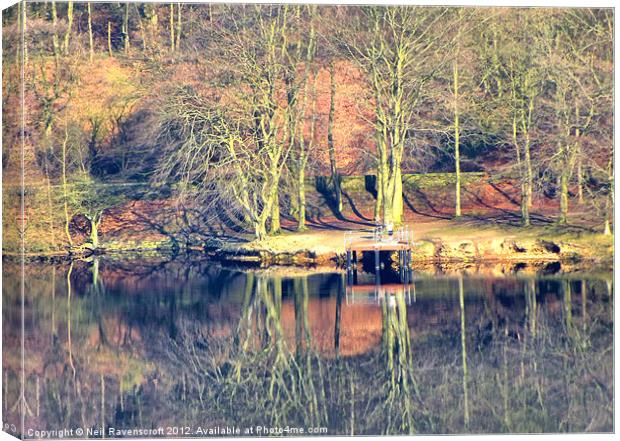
x: 237, y: 106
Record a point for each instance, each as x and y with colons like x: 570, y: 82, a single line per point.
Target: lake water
x: 190, y: 348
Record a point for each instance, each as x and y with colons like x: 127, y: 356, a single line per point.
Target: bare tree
x: 575, y: 98
x: 330, y: 139
x: 393, y: 47
x: 301, y: 93
x: 241, y: 136
x: 518, y: 70
x: 91, y: 50
x: 125, y: 29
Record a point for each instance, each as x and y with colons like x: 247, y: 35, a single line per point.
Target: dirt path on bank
x: 325, y: 241
x: 447, y: 239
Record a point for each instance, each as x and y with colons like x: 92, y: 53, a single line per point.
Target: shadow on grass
x: 439, y: 215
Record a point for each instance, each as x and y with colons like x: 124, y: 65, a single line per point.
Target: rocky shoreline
x: 315, y: 250
x: 430, y: 252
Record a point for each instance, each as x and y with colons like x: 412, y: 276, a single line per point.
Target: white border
x: 529, y: 3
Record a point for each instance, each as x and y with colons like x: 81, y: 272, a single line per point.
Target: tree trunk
x: 94, y: 233
x: 498, y: 66
x: 260, y: 230
x: 388, y: 211
x: 607, y: 230
x: 525, y: 210
x: 49, y: 119
x: 579, y: 177
x: 153, y: 24
x: 525, y: 216
x: 171, y: 27
x: 65, y: 44
x: 55, y: 42
x: 22, y: 9
x: 178, y: 33
x: 274, y: 226
x: 110, y: 38
x: 142, y: 29
x: 526, y: 200
x: 95, y: 221
x: 563, y: 196
x: 64, y: 186
x: 388, y: 196
x: 383, y: 196
x: 330, y: 140
x: 397, y: 199
x: 126, y: 29
x: 301, y: 199
x: 579, y: 159
x: 609, y: 202
x: 528, y: 158
x: 91, y: 49
x: 530, y: 180
x: 379, y: 200
x: 50, y: 205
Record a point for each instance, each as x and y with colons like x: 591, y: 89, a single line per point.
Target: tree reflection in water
x: 138, y: 345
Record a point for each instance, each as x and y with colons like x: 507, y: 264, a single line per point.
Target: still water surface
x: 188, y: 345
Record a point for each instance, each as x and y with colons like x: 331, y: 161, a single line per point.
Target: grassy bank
x: 149, y: 221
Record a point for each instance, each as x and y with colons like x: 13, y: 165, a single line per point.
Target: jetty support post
x: 378, y: 293
x: 407, y: 268
x: 349, y: 268
x: 409, y: 255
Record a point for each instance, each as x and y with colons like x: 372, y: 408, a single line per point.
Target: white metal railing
x: 348, y: 239
x: 405, y: 235
x: 380, y: 235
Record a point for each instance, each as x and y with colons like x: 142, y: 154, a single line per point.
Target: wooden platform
x: 399, y: 242
x: 354, y: 248
x: 372, y: 245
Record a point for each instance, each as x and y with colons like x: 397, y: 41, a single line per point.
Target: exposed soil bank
x: 436, y: 241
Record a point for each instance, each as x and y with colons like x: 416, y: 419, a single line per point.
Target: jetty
x: 356, y: 243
